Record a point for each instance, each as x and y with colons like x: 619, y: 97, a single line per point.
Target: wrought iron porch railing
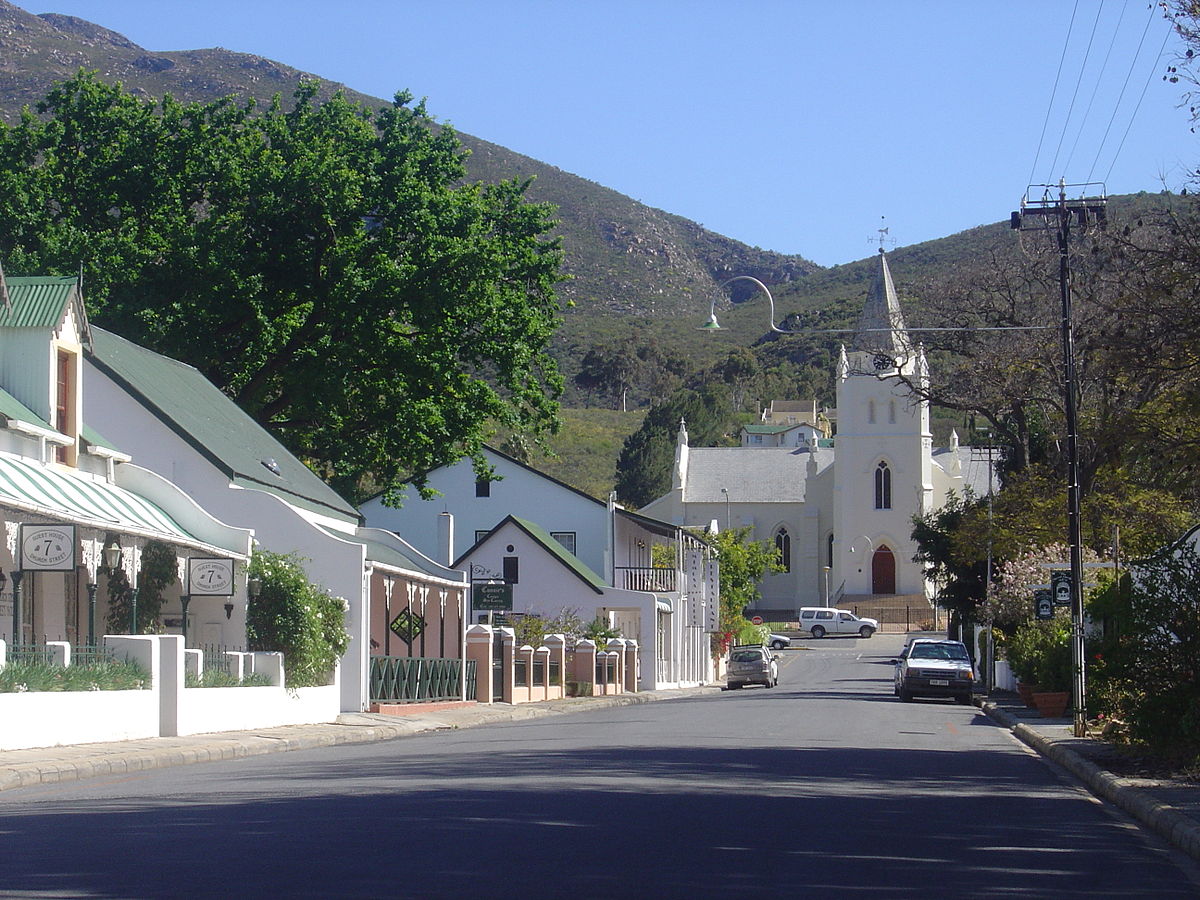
x: 411, y: 679
x: 30, y: 654
x: 215, y: 659
x: 91, y: 654
x: 645, y: 578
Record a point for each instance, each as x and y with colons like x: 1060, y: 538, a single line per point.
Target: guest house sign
x: 47, y: 548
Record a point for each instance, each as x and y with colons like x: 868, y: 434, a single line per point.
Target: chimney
x: 446, y: 537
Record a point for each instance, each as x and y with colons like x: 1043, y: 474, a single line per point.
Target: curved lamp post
x: 713, y: 325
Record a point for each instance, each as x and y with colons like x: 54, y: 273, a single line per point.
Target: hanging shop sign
x: 47, y: 548
x: 210, y: 576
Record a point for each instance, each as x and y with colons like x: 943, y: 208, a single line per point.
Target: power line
x: 1141, y: 97
x: 1078, y: 81
x: 1053, y: 92
x: 1096, y: 89
x: 1117, y: 107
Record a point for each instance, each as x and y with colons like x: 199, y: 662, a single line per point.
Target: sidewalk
x: 1170, y: 807
x: 48, y: 765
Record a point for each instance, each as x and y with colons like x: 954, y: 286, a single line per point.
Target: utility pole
x: 1044, y: 214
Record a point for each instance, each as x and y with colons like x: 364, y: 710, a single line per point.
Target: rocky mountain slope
x: 625, y: 259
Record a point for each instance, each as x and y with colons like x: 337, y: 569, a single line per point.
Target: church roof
x: 974, y: 467
x: 881, y: 326
x: 766, y: 475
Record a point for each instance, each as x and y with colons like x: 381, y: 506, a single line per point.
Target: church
x: 838, y: 509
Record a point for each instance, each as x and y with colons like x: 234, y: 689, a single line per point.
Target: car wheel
x: 818, y: 631
x: 905, y: 696
x: 964, y: 699
x: 777, y: 645
x: 735, y: 687
x: 866, y: 631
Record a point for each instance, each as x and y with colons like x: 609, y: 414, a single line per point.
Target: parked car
x: 934, y: 668
x: 752, y: 664
x: 778, y: 641
x: 822, y: 620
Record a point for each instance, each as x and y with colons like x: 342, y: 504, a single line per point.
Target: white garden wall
x: 51, y: 718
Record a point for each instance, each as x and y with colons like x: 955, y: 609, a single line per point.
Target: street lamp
x: 111, y: 555
x: 725, y: 491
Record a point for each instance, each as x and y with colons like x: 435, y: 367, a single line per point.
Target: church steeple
x: 881, y: 328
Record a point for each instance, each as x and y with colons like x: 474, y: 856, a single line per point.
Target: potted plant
x: 1054, y: 676
x: 1022, y: 650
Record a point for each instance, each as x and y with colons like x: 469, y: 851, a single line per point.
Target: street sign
x: 1060, y: 584
x: 492, y: 596
x: 757, y: 620
x: 1043, y: 601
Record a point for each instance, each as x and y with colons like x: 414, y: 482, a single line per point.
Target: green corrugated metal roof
x: 37, y: 301
x: 191, y: 406
x: 569, y: 559
x: 96, y: 439
x: 12, y: 408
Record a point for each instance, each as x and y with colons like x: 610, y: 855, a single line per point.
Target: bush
x: 296, y: 618
x: 1146, y: 671
x: 1039, y: 653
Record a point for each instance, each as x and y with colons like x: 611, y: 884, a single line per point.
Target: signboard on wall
x: 712, y: 596
x: 47, y: 548
x: 210, y: 576
x: 492, y: 596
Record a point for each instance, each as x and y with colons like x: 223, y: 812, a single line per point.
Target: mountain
x: 626, y: 260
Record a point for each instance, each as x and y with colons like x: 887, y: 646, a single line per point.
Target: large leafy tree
x: 325, y: 265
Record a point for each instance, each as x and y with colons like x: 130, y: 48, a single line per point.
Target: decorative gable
x: 43, y: 330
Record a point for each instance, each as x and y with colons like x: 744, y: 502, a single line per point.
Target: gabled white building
x: 67, y: 492
x: 182, y: 427
x: 840, y: 512
x: 663, y: 598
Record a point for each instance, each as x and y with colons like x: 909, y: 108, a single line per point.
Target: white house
x: 574, y: 518
x: 67, y: 493
x: 665, y: 599
x: 182, y: 427
x: 839, y: 511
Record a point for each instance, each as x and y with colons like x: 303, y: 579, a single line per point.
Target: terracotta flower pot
x: 1026, y: 691
x: 1052, y: 704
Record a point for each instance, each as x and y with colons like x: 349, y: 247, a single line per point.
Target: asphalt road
x: 825, y: 786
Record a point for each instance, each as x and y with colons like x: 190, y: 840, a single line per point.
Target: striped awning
x: 28, y: 486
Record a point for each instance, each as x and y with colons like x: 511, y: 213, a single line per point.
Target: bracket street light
x: 713, y: 325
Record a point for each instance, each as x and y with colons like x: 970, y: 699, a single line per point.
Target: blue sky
x: 793, y: 126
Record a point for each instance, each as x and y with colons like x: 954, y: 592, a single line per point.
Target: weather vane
x: 883, y: 235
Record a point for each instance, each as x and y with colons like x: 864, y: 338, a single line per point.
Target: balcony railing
x: 645, y: 578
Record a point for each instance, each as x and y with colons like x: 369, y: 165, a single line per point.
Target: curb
x: 1180, y: 830
x: 53, y: 765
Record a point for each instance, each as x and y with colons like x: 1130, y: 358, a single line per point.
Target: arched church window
x: 829, y: 550
x: 892, y: 412
x: 783, y: 548
x: 883, y: 486
x: 871, y: 412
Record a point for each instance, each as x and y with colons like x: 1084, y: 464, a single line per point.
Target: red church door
x: 883, y: 572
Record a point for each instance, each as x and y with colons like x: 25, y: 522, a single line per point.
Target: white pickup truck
x: 820, y: 621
